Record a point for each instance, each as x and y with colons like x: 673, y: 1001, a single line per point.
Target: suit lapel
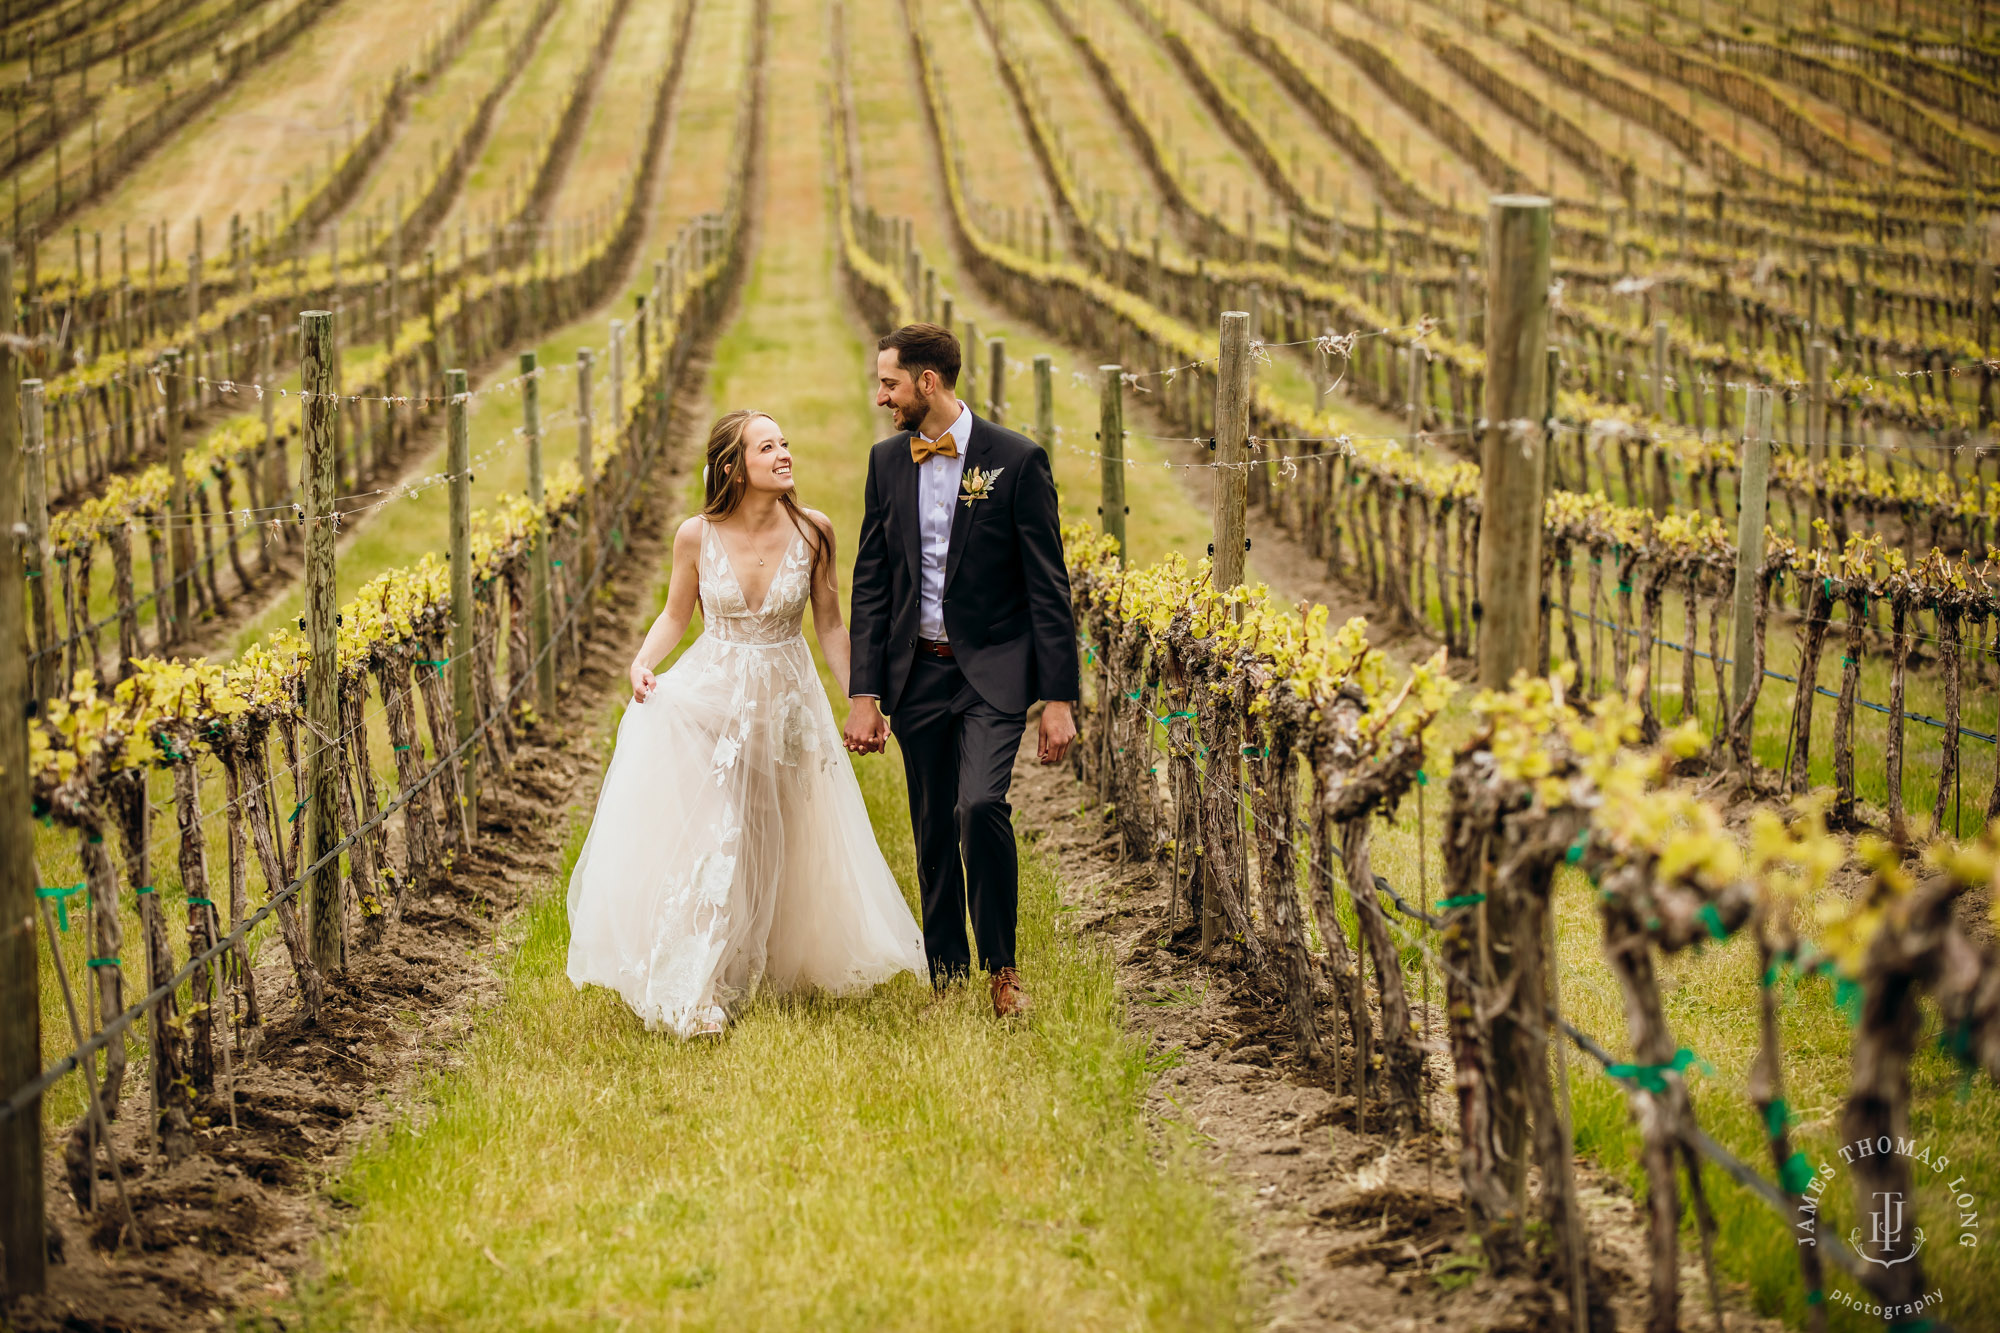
x: 961, y: 513
x: 913, y: 550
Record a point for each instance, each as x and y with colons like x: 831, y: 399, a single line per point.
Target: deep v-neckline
x: 729, y: 564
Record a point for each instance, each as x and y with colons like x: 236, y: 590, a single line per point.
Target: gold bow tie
x: 944, y: 446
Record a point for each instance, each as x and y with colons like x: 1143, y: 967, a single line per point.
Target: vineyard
x: 1533, y: 501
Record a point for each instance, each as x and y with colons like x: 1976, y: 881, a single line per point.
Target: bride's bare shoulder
x: 820, y: 521
x: 687, y: 540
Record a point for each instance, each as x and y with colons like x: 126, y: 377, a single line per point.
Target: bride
x: 731, y: 849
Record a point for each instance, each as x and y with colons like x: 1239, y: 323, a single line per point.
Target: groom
x: 960, y: 619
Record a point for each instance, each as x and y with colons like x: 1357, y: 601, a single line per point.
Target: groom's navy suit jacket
x: 1007, y: 609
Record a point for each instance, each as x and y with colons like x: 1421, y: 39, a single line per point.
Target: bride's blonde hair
x: 725, y: 481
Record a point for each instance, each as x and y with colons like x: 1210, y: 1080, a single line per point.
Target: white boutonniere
x: 978, y: 485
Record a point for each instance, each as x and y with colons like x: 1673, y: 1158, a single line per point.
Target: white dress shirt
x: 937, y: 494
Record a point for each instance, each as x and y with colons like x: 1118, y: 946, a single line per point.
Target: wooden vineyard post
x: 326, y: 926
x: 127, y: 399
x: 180, y: 526
x: 1232, y: 482
x: 1816, y: 429
x: 458, y: 466
x: 1551, y: 392
x: 586, y: 498
x: 996, y: 381
x: 643, y: 321
x: 1575, y: 1247
x: 1466, y: 315
x: 586, y: 423
x: 1751, y: 494
x: 1111, y: 456
x: 1982, y: 304
x: 440, y: 354
x: 615, y: 346
x: 538, y: 547
x: 1508, y: 594
x: 278, y: 487
x: 23, y: 1248
x: 971, y: 360
x: 1414, y: 389
x: 1232, y: 441
x: 1659, y: 369
x: 35, y: 553
x: 1045, y: 402
x: 341, y: 476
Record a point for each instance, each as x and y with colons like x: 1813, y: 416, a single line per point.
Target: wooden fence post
x: 458, y: 466
x: 1513, y: 454
x: 1232, y: 442
x: 180, y: 524
x: 1750, y: 501
x: 22, y: 1245
x: 996, y: 381
x: 1045, y: 403
x: 538, y: 548
x: 1111, y: 455
x: 326, y: 929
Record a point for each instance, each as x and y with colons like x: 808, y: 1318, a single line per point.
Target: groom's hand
x: 1058, y: 729
x: 867, y: 731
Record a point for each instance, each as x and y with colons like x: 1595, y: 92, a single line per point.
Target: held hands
x: 643, y: 683
x: 1057, y: 730
x: 867, y: 731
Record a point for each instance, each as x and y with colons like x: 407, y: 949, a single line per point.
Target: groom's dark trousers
x: 958, y: 754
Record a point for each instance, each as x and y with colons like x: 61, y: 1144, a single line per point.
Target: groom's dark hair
x: 921, y: 347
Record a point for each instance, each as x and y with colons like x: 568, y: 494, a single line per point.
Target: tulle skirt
x: 731, y: 849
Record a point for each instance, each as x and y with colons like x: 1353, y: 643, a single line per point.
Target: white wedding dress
x: 731, y: 850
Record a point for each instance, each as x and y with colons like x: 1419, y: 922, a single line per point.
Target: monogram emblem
x: 1886, y: 1244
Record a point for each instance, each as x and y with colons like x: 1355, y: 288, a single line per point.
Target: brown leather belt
x: 935, y: 648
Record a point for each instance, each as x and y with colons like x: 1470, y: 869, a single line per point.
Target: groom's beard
x: 909, y: 418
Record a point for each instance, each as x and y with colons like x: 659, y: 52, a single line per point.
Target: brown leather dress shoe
x: 1010, y: 997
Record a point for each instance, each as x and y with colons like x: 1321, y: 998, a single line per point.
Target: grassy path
x: 885, y: 1163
